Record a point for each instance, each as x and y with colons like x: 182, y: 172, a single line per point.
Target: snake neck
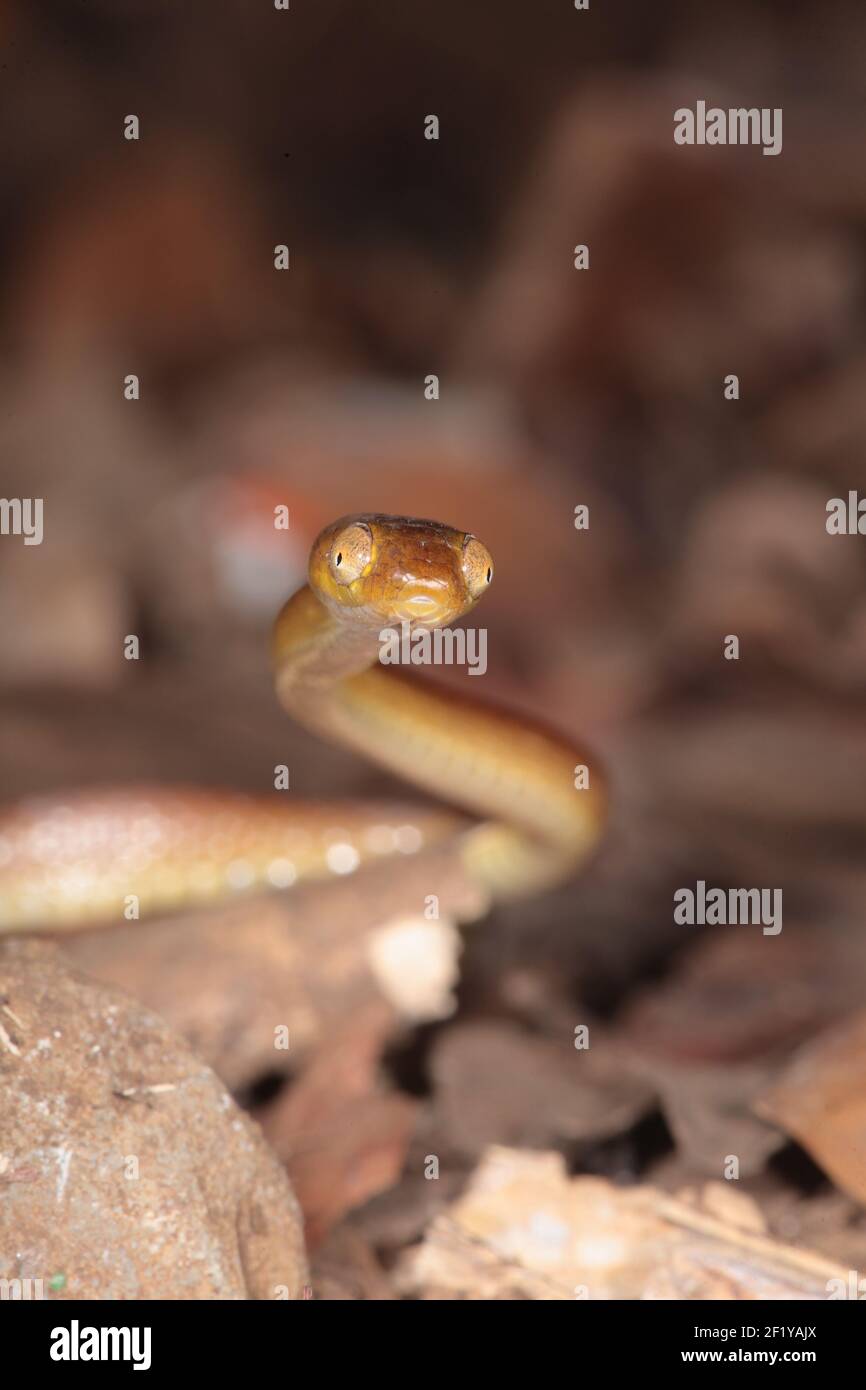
x: 517, y: 778
x: 313, y: 652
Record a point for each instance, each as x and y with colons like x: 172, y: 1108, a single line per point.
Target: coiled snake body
x: 79, y: 860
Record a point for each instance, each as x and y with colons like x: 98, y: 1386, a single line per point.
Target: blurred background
x: 557, y: 388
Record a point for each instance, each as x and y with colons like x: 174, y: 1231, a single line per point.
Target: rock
x: 126, y: 1170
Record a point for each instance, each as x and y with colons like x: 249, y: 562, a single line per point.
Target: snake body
x: 519, y: 822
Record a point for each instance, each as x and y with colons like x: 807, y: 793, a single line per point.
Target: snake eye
x: 351, y: 552
x: 477, y: 566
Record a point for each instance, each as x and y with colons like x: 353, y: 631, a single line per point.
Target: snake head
x: 384, y: 570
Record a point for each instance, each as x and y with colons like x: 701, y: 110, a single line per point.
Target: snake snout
x: 423, y: 607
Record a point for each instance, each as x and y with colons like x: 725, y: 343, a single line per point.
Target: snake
x: 523, y: 805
